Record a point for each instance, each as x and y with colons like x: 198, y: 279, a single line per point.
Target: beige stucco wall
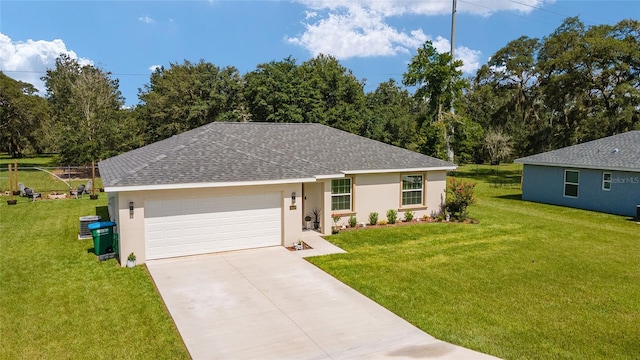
x: 371, y: 192
x: 381, y: 192
x: 436, y: 191
x: 132, y: 231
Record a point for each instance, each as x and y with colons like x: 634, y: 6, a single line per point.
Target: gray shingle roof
x: 232, y: 152
x: 617, y: 152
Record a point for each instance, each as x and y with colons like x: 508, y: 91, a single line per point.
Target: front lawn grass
x: 58, y: 302
x: 530, y: 281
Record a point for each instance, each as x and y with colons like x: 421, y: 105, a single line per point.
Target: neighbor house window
x: 606, y: 181
x: 341, y: 194
x: 571, y: 178
x: 412, y: 189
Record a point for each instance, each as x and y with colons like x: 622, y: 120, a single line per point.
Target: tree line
x: 576, y: 84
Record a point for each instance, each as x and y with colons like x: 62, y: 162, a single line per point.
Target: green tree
x: 590, y: 77
x: 508, y: 91
x: 577, y: 84
x: 392, y: 116
x: 439, y: 83
x: 318, y: 91
x: 186, y: 96
x: 85, y: 103
x: 467, y: 139
x: 128, y: 134
x: 276, y: 92
x: 498, y: 145
x: 22, y: 113
x: 336, y: 96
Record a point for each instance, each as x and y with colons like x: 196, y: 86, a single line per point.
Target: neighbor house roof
x: 223, y: 154
x: 618, y: 152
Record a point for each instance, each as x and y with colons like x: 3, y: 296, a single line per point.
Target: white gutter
x: 577, y: 166
x: 331, y: 176
x: 204, y: 185
x: 382, y: 171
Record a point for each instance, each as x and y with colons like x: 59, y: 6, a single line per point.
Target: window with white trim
x: 412, y: 189
x: 341, y: 194
x: 571, y: 182
x: 606, y: 181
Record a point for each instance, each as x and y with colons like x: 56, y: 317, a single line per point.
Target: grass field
x: 40, y: 180
x: 58, y: 302
x: 530, y: 281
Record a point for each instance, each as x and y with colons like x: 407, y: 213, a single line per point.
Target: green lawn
x: 38, y: 180
x: 530, y: 281
x: 58, y: 302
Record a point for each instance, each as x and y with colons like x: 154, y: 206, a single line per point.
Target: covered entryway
x: 190, y: 226
x: 313, y: 199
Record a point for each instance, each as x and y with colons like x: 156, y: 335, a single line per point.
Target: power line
x: 587, y: 16
x: 44, y: 72
x: 592, y: 20
x: 564, y: 15
x: 507, y: 13
x: 538, y: 8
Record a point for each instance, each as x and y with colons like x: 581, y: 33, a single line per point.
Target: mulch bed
x: 413, y: 222
x: 305, y: 246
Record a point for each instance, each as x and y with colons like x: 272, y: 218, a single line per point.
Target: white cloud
x: 429, y: 7
x: 356, y: 32
x: 441, y: 44
x: 360, y: 28
x: 470, y: 58
x: 154, y: 67
x: 146, y: 20
x: 28, y: 61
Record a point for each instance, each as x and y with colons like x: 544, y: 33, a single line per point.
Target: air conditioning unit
x: 85, y: 233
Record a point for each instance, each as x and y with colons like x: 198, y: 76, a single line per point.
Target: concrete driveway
x: 271, y: 304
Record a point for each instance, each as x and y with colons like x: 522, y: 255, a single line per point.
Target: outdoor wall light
x: 293, y: 198
x: 130, y: 209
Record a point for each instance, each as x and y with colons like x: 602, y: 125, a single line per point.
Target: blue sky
x: 374, y: 38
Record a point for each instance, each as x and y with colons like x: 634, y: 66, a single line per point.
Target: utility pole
x: 453, y: 29
x: 450, y: 152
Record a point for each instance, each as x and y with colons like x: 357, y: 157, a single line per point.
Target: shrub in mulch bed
x: 412, y: 222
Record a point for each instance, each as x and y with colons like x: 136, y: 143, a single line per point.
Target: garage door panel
x: 178, y: 207
x: 189, y: 226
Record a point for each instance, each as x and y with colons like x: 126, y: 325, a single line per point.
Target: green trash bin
x: 103, y: 238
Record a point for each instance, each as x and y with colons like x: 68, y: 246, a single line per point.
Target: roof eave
x: 182, y: 186
x: 404, y: 170
x: 329, y: 176
x: 179, y: 186
x: 575, y: 166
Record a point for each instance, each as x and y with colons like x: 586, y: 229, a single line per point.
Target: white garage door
x: 178, y: 227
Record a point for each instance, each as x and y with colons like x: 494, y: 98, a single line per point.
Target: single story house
x: 601, y: 175
x: 230, y: 186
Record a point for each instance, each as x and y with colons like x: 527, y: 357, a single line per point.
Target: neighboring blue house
x: 601, y: 175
